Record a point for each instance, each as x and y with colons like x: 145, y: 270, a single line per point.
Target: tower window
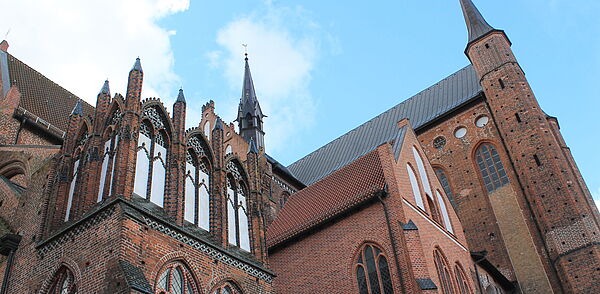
x: 491, y: 168
x: 501, y: 83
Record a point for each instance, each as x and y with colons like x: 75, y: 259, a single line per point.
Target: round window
x: 482, y: 121
x: 460, y: 132
x: 439, y: 142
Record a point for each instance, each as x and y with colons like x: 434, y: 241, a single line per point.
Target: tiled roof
x: 135, y: 277
x: 41, y: 96
x: 428, y: 105
x: 327, y: 198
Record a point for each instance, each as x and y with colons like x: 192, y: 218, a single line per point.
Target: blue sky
x: 321, y: 68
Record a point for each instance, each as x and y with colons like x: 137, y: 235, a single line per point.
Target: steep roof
x: 327, y: 198
x: 476, y: 24
x: 40, y: 95
x: 428, y: 105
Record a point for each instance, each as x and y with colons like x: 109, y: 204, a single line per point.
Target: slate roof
x: 335, y: 194
x: 40, y: 95
x: 135, y: 277
x: 450, y: 93
x: 476, y: 24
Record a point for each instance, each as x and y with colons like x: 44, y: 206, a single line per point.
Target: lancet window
x: 237, y: 208
x: 372, y: 271
x: 491, y: 168
x: 197, y: 183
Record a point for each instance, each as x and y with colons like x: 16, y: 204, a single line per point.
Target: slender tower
x: 250, y: 116
x: 560, y: 204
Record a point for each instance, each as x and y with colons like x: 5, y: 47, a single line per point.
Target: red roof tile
x: 43, y: 97
x: 327, y: 198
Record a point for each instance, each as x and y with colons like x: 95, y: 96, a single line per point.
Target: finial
x: 245, y: 50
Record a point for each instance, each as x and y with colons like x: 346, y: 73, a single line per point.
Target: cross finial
x: 245, y: 50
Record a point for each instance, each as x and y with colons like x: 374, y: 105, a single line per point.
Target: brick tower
x: 561, y: 205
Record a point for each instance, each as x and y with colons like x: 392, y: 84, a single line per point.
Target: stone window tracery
x: 237, y: 209
x: 443, y: 272
x: 461, y: 279
x: 372, y: 271
x: 197, y: 184
x: 176, y: 278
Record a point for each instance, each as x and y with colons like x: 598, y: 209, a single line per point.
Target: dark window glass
x: 362, y: 280
x: 491, y: 168
x: 443, y: 274
x: 445, y: 184
x: 372, y: 266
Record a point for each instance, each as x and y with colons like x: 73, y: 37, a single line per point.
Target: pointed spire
x: 105, y: 88
x: 476, y: 24
x: 78, y: 109
x: 248, y: 92
x: 180, y: 97
x: 137, y: 65
x: 252, y: 147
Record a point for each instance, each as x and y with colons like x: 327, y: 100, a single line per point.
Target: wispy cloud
x: 284, y: 45
x: 79, y: 44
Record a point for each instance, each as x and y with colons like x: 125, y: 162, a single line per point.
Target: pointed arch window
x: 73, y: 184
x: 372, y: 271
x: 197, y: 183
x: 107, y: 171
x: 176, y: 278
x: 207, y: 130
x: 445, y: 184
x: 415, y: 187
x: 63, y: 282
x: 237, y: 208
x: 491, y: 168
x: 461, y: 280
x: 444, y: 210
x: 443, y: 272
x: 151, y: 165
x: 422, y: 172
x: 227, y: 288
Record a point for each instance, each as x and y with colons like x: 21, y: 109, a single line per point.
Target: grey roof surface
x: 433, y: 102
x: 476, y: 24
x: 135, y: 277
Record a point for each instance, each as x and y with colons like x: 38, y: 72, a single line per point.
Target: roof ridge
x: 390, y: 109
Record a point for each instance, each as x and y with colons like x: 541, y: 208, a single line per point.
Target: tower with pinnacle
x: 250, y: 116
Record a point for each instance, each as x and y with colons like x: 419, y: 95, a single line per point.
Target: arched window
x: 63, y: 282
x: 372, y: 271
x: 422, y: 172
x: 443, y: 272
x: 207, y: 130
x: 151, y: 162
x: 197, y: 183
x: 176, y: 278
x: 228, y: 150
x: 73, y: 183
x: 445, y: 216
x: 415, y: 187
x: 461, y: 280
x: 237, y: 209
x: 491, y: 168
x: 445, y: 184
x: 227, y: 288
x: 435, y: 212
x: 109, y: 157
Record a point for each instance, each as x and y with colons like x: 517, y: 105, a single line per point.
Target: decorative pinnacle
x: 180, y: 97
x: 78, y: 109
x: 137, y: 65
x: 105, y: 88
x: 252, y: 147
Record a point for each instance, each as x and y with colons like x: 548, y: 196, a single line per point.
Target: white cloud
x: 283, y: 45
x: 78, y: 44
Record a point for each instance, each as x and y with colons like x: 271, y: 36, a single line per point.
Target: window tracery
x: 227, y: 288
x: 237, y: 209
x: 443, y: 272
x: 197, y: 184
x: 491, y: 168
x: 63, y: 282
x: 176, y: 278
x: 463, y: 285
x: 108, y: 164
x: 372, y: 271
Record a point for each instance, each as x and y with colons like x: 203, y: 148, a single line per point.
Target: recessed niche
x: 460, y: 132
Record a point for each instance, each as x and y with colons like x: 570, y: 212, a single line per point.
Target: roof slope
x: 41, y: 96
x: 433, y: 102
x: 327, y: 198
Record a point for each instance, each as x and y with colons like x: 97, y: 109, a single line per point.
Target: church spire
x: 250, y: 116
x: 476, y: 24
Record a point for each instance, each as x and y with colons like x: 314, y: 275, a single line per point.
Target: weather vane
x: 245, y: 49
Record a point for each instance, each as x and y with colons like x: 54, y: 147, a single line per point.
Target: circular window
x: 482, y: 121
x: 460, y: 132
x: 439, y: 142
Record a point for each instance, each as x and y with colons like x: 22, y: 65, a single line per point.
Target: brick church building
x: 466, y: 187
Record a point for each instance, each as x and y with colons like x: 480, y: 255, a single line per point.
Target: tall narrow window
x: 176, y: 278
x: 444, y: 210
x: 491, y: 168
x: 415, y: 187
x: 207, y: 130
x: 74, y: 174
x: 198, y: 182
x: 422, y: 172
x: 443, y: 272
x: 104, y: 168
x: 108, y: 163
x: 435, y: 212
x: 372, y: 271
x: 237, y: 209
x: 445, y: 184
x: 461, y: 280
x: 152, y: 154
